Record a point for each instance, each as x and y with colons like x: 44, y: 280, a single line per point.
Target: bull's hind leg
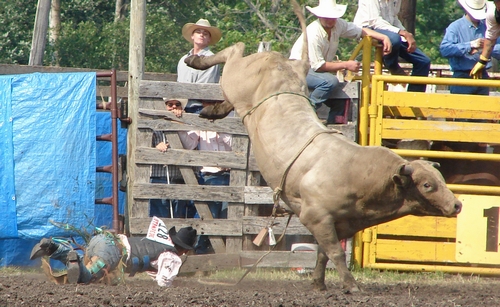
x: 204, y: 62
x: 323, y: 230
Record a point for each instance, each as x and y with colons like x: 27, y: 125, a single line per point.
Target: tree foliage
x: 90, y: 37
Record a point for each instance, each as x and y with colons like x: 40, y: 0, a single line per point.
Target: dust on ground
x: 33, y: 289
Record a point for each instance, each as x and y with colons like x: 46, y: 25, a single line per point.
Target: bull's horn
x: 405, y: 169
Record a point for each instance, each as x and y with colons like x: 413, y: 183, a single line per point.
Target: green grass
x: 361, y: 275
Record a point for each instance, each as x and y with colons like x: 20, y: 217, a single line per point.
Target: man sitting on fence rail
x: 108, y: 256
x: 382, y: 16
x: 462, y: 45
x: 323, y: 39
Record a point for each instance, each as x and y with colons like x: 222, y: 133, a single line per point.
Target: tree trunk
x: 39, y: 33
x: 55, y: 27
x: 407, y: 14
x: 119, y: 10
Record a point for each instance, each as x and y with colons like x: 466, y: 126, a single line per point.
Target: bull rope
x: 275, y: 94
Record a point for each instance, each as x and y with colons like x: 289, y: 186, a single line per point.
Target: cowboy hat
x: 181, y: 100
x: 475, y: 8
x: 188, y: 29
x: 185, y: 238
x: 328, y: 9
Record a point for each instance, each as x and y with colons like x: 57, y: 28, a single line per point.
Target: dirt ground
x: 33, y: 289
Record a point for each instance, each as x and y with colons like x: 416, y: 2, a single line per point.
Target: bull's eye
x: 427, y: 185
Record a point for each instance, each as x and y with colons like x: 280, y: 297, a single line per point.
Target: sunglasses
x: 171, y: 104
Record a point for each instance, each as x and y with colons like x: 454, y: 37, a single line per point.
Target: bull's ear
x: 434, y: 164
x: 403, y: 177
x: 401, y: 181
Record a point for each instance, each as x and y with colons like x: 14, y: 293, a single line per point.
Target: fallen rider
x: 109, y: 256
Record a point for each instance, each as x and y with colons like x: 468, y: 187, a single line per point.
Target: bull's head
x: 425, y: 189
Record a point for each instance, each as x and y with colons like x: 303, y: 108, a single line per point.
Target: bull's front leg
x: 323, y: 230
x: 217, y: 111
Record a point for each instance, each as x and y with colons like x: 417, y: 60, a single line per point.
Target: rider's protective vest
x: 142, y: 252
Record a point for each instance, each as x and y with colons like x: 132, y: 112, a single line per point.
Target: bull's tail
x: 302, y: 20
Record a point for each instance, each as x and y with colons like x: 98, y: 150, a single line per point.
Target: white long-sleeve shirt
x: 379, y: 15
x: 322, y: 49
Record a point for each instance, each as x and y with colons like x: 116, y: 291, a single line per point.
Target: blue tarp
x: 48, y: 150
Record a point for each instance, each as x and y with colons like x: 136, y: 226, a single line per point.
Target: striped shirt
x: 162, y: 171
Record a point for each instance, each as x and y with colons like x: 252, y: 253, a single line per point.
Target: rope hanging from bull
x: 273, y: 95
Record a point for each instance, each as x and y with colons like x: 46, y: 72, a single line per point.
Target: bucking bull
x: 335, y: 186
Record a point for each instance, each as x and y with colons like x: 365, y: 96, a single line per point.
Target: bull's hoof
x: 194, y: 61
x: 319, y: 286
x: 351, y: 289
x: 217, y: 111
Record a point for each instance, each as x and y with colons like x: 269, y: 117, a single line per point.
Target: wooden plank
x: 422, y: 226
x: 253, y: 224
x: 275, y: 259
x: 258, y: 195
x: 439, y: 130
x: 147, y: 155
x: 418, y: 251
x: 207, y: 91
x: 240, y: 145
x: 347, y: 90
x: 229, y: 227
x: 189, y: 192
x: 214, y: 262
x: 136, y: 173
x: 105, y: 91
x: 190, y: 179
x: 121, y: 76
x: 167, y: 121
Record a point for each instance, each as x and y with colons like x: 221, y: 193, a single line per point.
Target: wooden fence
x: 250, y: 200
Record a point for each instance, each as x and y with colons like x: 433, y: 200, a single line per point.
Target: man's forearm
x: 488, y: 48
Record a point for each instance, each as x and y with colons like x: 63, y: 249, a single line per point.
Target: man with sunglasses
x: 170, y: 174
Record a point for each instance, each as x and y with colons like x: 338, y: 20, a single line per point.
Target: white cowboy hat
x: 328, y: 9
x: 475, y: 8
x: 189, y: 28
x: 181, y: 100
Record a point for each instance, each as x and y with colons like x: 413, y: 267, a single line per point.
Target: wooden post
x: 136, y: 70
x: 40, y: 32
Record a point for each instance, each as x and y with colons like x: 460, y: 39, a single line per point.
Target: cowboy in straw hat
x: 382, y: 16
x: 462, y: 45
x: 323, y: 39
x: 491, y: 35
x: 202, y: 35
x: 202, y: 24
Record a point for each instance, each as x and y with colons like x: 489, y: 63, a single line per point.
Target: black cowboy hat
x: 185, y: 238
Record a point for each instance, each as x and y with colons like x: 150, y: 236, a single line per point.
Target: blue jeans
x: 101, y: 246
x: 217, y: 208
x: 471, y: 90
x: 161, y: 207
x: 421, y: 62
x: 321, y: 86
x: 193, y: 109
